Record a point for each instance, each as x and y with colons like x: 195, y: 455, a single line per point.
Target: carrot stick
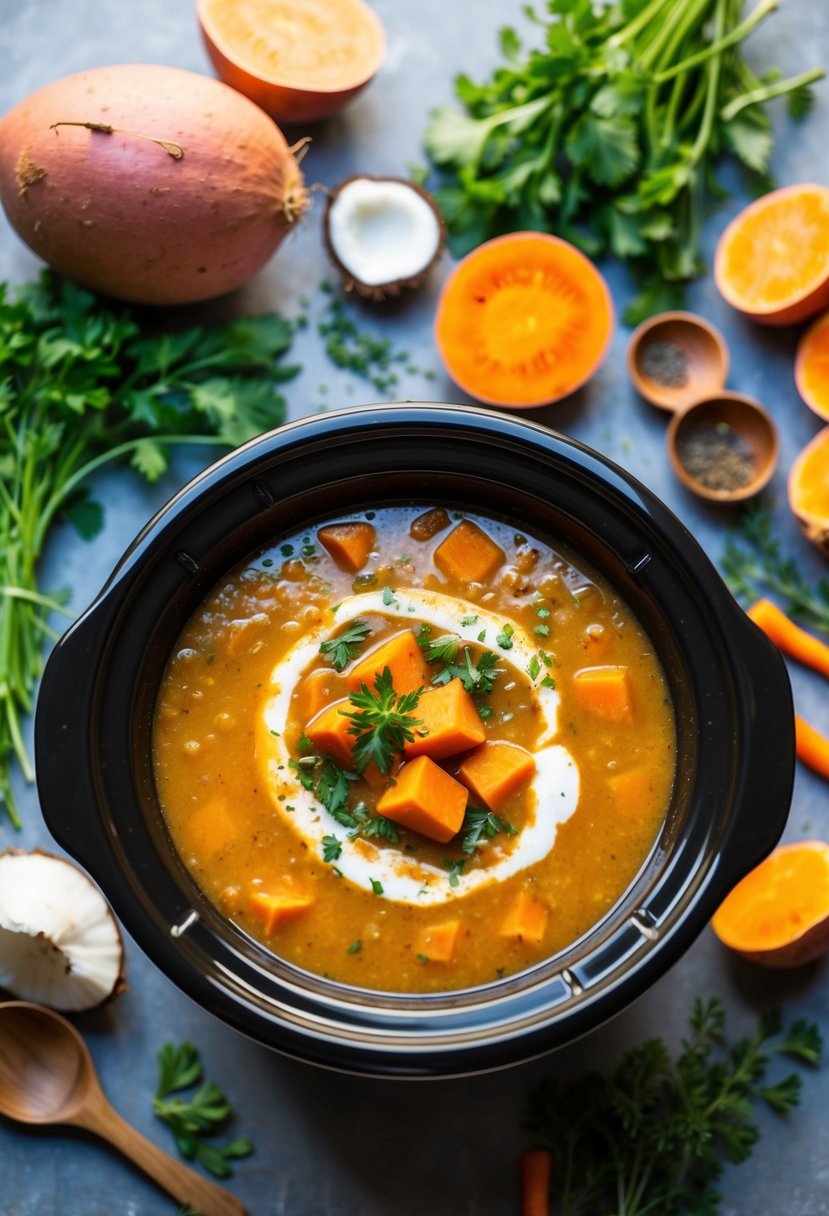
x: 811, y: 747
x: 536, y: 1167
x: 790, y: 638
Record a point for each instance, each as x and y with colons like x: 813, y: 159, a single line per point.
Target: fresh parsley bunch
x: 81, y: 387
x: 608, y: 133
x: 653, y: 1137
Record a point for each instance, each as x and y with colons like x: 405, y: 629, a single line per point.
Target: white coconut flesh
x: 59, y: 943
x: 382, y: 231
x: 552, y: 795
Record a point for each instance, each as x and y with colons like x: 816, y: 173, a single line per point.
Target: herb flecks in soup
x: 413, y: 750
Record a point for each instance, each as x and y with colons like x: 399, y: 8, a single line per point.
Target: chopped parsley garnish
x: 542, y: 611
x: 548, y: 682
x: 504, y: 638
x: 480, y: 826
x: 381, y: 721
x: 286, y: 550
x: 477, y: 677
x: 376, y: 886
x: 469, y: 620
x: 355, y: 947
x: 456, y: 867
x: 534, y: 667
x: 343, y: 648
x: 331, y: 848
x: 442, y: 649
x: 388, y: 597
x: 422, y: 958
x: 542, y: 631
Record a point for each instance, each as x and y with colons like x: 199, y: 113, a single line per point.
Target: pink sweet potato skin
x: 124, y: 215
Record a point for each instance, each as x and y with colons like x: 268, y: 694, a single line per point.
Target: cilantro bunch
x: 82, y: 387
x: 654, y: 1136
x: 194, y: 1119
x: 607, y: 134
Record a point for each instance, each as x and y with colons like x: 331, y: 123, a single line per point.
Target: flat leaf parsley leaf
x: 381, y: 721
x: 346, y: 645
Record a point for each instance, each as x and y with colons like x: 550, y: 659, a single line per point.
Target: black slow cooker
x: 729, y: 685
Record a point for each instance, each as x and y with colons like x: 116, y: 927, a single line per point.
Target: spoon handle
x: 183, y: 1183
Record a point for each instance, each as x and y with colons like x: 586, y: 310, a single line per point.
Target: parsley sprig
x: 81, y: 388
x: 346, y: 645
x: 477, y: 676
x: 382, y: 722
x: 753, y: 564
x: 194, y: 1118
x: 479, y: 826
x: 653, y: 1137
x: 607, y: 132
x: 331, y: 785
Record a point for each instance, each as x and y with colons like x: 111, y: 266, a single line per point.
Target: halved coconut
x: 60, y: 944
x: 384, y: 234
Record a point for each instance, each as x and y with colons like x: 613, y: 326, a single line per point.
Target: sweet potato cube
x: 209, y: 829
x: 328, y: 732
x: 526, y: 919
x: 468, y: 555
x: 494, y: 772
x: 438, y: 942
x: 632, y: 791
x: 275, y: 908
x: 605, y: 692
x: 316, y: 690
x: 426, y: 800
x: 450, y: 723
x: 349, y: 544
x: 404, y: 659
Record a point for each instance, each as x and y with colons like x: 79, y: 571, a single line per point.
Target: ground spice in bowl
x: 665, y: 363
x: 716, y: 456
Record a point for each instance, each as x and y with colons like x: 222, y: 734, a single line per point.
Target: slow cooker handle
x: 766, y: 760
x: 63, y: 754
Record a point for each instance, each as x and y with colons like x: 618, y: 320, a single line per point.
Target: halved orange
x: 300, y: 60
x: 772, y: 261
x: 523, y: 320
x: 811, y: 367
x: 808, y: 490
x: 778, y: 915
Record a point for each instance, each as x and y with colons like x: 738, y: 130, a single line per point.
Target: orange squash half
x: 523, y: 320
x: 300, y: 60
x: 808, y: 490
x: 778, y: 915
x: 772, y: 261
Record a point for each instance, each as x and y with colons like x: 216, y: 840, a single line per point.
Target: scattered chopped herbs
x: 484, y: 711
x: 422, y: 958
x: 347, y: 645
x: 608, y: 133
x: 355, y: 947
x: 381, y: 721
x: 360, y: 351
x: 81, y: 388
x: 442, y: 649
x: 480, y: 826
x: 267, y: 561
x: 456, y: 867
x: 469, y: 620
x: 542, y: 612
x: 476, y: 677
x: 542, y: 631
x: 376, y: 886
x: 286, y: 550
x: 194, y: 1119
x: 753, y: 563
x: 654, y: 1136
x: 548, y: 682
x: 309, y: 550
x: 534, y: 668
x: 331, y: 848
x: 504, y: 638
x: 388, y: 597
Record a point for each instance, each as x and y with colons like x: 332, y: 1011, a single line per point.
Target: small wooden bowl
x: 699, y: 343
x: 743, y: 416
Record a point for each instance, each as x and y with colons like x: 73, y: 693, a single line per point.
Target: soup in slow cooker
x: 411, y: 749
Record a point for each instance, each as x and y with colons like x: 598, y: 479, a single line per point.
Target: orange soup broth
x: 222, y: 811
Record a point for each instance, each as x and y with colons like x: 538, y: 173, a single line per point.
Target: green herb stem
x: 721, y: 42
x: 767, y: 92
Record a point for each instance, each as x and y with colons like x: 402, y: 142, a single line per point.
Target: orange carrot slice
x: 811, y: 746
x: 523, y: 320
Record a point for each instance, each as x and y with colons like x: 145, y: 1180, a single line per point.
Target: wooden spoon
x: 47, y: 1076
